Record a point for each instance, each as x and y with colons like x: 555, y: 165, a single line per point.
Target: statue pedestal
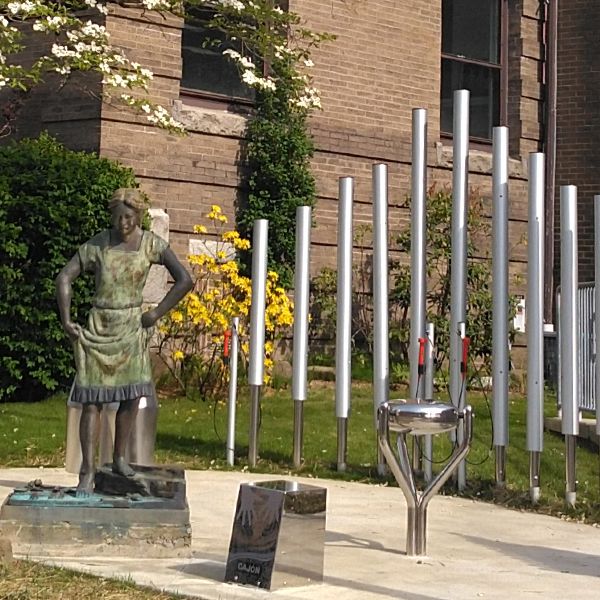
x: 147, y: 516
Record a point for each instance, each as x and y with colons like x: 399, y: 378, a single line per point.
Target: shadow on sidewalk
x: 551, y: 559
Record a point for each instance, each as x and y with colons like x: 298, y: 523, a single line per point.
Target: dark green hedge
x: 51, y: 200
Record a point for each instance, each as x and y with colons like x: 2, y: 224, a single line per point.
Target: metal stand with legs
x: 420, y: 419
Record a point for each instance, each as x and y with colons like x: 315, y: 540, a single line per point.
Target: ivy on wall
x: 275, y: 60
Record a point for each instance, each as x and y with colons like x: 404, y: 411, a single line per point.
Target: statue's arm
x: 64, y: 293
x: 183, y: 284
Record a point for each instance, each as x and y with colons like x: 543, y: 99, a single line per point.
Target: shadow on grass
x: 189, y: 446
x: 209, y: 449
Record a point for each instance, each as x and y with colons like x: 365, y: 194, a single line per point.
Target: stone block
x: 157, y: 283
x: 52, y: 521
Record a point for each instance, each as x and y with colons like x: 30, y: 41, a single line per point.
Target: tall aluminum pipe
x: 418, y: 257
x: 231, y: 402
x: 535, y: 321
x: 343, y: 377
x: 300, y: 347
x: 597, y: 299
x: 257, y: 331
x: 500, y: 298
x: 568, y: 332
x: 458, y: 275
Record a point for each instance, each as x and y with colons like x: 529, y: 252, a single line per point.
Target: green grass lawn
x: 25, y: 580
x: 192, y: 433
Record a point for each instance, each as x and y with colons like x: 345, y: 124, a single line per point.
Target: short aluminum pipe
x: 535, y: 320
x: 500, y: 299
x: 232, y: 399
x: 570, y: 469
x: 429, y: 374
x: 534, y: 476
x: 568, y: 318
x: 300, y: 343
x: 257, y: 332
x: 418, y: 248
x: 417, y: 502
x: 458, y: 273
x: 597, y: 299
x: 381, y: 366
x: 343, y: 349
x: 418, y: 265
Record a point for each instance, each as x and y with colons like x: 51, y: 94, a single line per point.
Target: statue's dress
x: 111, y: 354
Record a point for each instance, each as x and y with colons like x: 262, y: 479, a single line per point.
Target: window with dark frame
x: 472, y: 59
x: 205, y: 70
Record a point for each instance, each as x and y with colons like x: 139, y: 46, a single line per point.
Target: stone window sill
x: 209, y: 120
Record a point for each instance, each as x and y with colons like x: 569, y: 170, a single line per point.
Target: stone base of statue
x: 144, y: 515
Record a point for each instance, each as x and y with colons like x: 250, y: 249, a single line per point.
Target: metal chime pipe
x: 343, y: 390
x: 535, y: 321
x: 418, y: 267
x: 381, y: 365
x: 597, y: 299
x: 300, y: 344
x: 500, y: 299
x: 429, y: 373
x: 232, y: 399
x: 418, y: 261
x: 568, y: 332
x: 257, y: 331
x: 458, y: 275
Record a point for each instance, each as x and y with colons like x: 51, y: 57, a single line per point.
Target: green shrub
x: 51, y: 200
x: 278, y: 154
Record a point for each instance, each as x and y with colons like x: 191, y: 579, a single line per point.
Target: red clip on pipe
x: 226, y: 345
x: 465, y: 354
x: 421, y: 367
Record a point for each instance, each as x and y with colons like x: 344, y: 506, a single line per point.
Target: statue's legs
x: 125, y: 419
x: 88, y: 435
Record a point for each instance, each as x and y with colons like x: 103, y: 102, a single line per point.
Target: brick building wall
x: 385, y: 62
x: 578, y: 120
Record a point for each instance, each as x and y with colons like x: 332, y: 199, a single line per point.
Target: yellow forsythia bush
x: 191, y: 336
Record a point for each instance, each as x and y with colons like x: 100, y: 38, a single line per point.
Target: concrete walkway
x: 476, y: 550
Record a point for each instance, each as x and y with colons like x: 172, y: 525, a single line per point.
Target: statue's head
x: 127, y: 207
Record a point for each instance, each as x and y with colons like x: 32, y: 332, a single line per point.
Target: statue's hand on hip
x: 149, y: 318
x: 72, y: 330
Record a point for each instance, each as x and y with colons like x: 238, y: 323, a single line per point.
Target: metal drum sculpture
x: 422, y: 419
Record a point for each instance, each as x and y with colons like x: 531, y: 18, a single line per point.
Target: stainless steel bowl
x: 422, y: 419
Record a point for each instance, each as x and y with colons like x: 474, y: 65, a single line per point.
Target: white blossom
x: 23, y: 9
x: 159, y: 4
x: 235, y: 4
x: 50, y: 23
x: 244, y: 61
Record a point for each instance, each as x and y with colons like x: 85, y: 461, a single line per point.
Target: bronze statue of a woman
x: 112, y: 355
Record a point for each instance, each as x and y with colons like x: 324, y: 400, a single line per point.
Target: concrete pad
x: 476, y: 550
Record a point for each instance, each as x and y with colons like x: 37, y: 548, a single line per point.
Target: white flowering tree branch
x: 276, y: 49
x: 76, y: 44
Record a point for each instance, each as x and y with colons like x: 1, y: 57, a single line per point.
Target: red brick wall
x: 578, y: 116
